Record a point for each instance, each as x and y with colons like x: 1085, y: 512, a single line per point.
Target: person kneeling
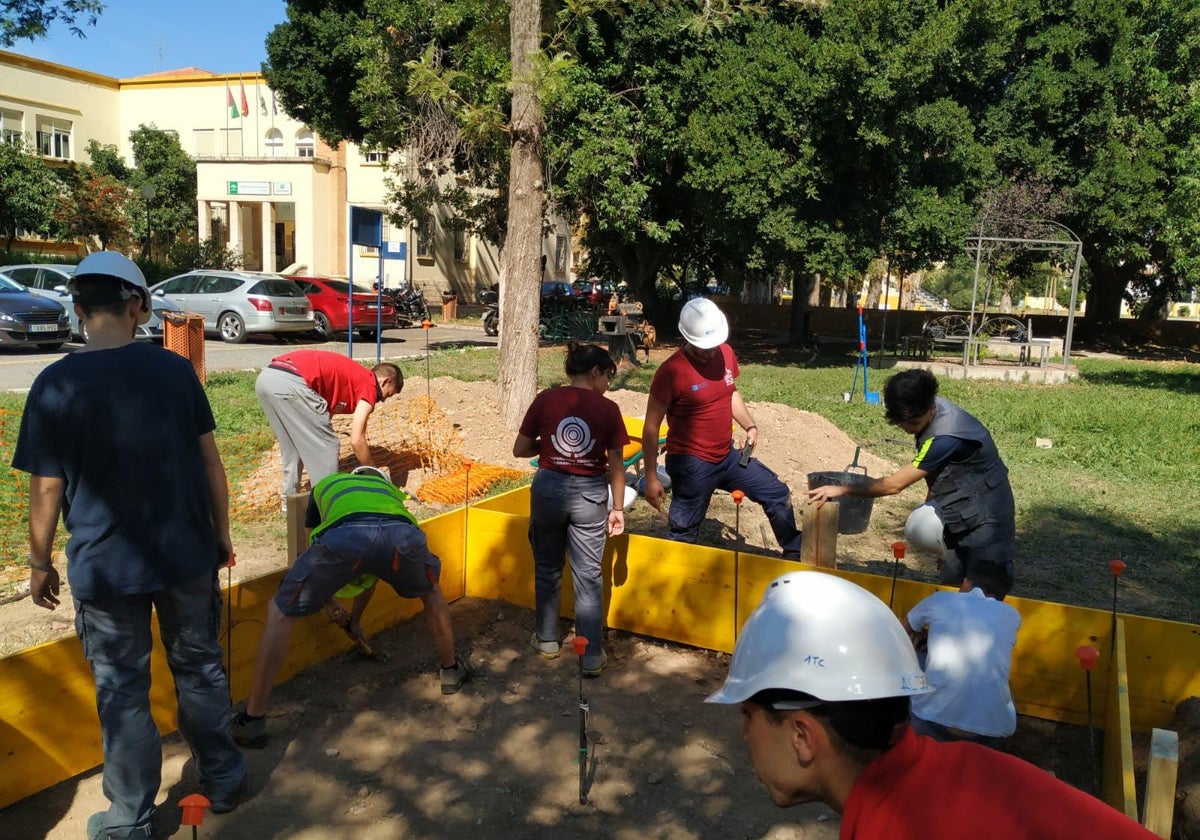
x: 360, y: 526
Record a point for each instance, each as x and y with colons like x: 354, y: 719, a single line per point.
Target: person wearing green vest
x: 361, y: 531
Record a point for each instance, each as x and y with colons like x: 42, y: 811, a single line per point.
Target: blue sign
x: 395, y: 250
x: 366, y: 227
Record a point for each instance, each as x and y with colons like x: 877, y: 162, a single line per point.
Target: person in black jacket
x: 969, y: 492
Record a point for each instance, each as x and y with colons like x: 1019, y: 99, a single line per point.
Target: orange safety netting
x: 467, y: 482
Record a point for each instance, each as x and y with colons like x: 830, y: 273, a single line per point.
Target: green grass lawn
x: 1117, y: 482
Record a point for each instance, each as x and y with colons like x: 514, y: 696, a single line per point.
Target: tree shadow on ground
x: 1179, y: 380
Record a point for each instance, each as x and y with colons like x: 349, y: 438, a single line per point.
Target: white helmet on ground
x: 818, y: 634
x: 117, y: 266
x: 924, y: 530
x: 702, y: 324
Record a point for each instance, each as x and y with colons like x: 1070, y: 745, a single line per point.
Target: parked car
x: 556, y: 291
x: 51, y: 281
x: 595, y: 292
x: 235, y: 304
x: 330, y: 300
x: 26, y: 318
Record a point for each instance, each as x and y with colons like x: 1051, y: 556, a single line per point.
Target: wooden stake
x: 820, y: 529
x: 1159, y: 808
x: 297, y: 534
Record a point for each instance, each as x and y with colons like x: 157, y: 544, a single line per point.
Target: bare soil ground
x: 369, y: 750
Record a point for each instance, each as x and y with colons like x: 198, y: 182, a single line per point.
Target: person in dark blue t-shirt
x: 118, y: 438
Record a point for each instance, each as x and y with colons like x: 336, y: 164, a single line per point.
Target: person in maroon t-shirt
x: 301, y: 390
x: 694, y: 390
x: 577, y: 434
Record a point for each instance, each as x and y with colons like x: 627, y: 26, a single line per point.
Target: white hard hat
x: 117, y: 266
x: 821, y: 635
x: 630, y: 496
x: 702, y: 324
x: 365, y: 470
x: 924, y: 530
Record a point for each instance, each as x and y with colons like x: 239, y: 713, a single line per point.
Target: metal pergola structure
x: 1035, y: 243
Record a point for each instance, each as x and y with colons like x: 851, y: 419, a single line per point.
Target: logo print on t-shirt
x: 572, y: 438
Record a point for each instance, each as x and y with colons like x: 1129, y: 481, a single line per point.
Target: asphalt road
x: 20, y: 366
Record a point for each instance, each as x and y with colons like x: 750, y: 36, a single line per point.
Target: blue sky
x: 135, y: 37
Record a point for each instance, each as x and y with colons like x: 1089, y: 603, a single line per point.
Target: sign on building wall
x: 395, y: 250
x: 282, y: 187
x: 249, y: 187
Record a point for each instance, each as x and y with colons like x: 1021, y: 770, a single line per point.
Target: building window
x: 54, y: 139
x: 560, y: 253
x: 305, y: 146
x: 10, y: 127
x: 460, y: 245
x: 205, y: 142
x: 424, y: 232
x: 231, y: 142
x: 274, y: 143
x: 374, y: 157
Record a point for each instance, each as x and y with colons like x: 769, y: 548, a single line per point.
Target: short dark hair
x: 991, y: 578
x: 583, y: 357
x: 392, y: 370
x: 860, y: 728
x: 909, y: 394
x: 102, y: 293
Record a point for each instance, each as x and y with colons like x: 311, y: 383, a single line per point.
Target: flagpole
x: 257, y: 131
x: 242, y: 94
x: 228, y: 99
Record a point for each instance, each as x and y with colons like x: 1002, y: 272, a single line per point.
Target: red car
x: 330, y: 299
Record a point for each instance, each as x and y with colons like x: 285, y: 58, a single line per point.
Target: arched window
x: 274, y: 143
x: 305, y: 147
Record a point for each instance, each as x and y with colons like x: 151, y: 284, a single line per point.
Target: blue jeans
x: 693, y: 481
x: 116, y: 638
x: 568, y: 514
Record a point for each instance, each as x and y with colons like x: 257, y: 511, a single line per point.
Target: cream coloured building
x: 266, y: 183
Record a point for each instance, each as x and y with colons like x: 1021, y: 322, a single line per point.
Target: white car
x: 237, y: 303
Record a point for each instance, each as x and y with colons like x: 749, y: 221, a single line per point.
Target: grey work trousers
x: 299, y: 417
x: 568, y: 514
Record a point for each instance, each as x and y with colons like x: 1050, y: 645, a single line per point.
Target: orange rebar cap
x: 1087, y: 656
x: 1117, y: 567
x: 580, y: 644
x: 898, y: 549
x: 738, y: 496
x: 194, y: 806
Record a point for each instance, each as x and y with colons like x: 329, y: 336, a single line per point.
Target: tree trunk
x: 520, y: 262
x: 1107, y: 289
x: 804, y: 288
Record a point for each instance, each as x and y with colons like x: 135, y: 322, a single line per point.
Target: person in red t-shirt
x: 300, y: 391
x: 577, y: 434
x: 694, y: 390
x: 823, y: 672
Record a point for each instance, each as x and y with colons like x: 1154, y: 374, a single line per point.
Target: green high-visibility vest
x: 341, y: 494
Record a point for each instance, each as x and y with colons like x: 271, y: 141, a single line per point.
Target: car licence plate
x: 43, y: 327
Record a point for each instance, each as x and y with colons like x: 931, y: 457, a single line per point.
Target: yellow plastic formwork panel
x: 1119, y: 790
x: 449, y: 540
x: 514, y: 502
x: 499, y: 563
x: 1161, y: 657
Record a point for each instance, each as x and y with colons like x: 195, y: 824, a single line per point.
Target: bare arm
x: 525, y: 447
x: 45, y: 505
x: 889, y: 485
x: 653, y: 489
x: 358, y: 433
x: 218, y: 493
x: 616, y: 483
x: 741, y: 414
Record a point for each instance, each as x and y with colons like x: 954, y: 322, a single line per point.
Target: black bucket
x: 854, y: 512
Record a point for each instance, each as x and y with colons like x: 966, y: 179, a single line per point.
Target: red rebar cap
x: 898, y: 549
x: 580, y: 644
x: 231, y: 562
x: 1117, y: 567
x: 426, y: 324
x: 194, y: 805
x: 467, y: 464
x: 738, y: 496
x: 1087, y: 656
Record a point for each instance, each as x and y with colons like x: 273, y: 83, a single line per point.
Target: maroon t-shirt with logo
x: 699, y: 401
x: 575, y: 428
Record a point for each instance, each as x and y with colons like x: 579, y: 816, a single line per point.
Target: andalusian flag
x: 245, y: 104
x: 233, y: 108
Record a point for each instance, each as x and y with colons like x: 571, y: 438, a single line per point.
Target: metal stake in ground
x: 738, y: 498
x: 229, y: 619
x: 1087, y: 656
x: 467, y: 462
x: 193, y: 806
x: 898, y: 549
x: 425, y: 325
x: 1116, y: 566
x: 580, y: 644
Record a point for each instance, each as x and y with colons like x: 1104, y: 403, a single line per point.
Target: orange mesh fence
x: 453, y: 488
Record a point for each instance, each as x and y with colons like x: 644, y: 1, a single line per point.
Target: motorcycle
x: 411, y: 308
x: 491, y: 312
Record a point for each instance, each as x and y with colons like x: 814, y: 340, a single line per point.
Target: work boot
x: 593, y: 665
x: 249, y: 731
x: 97, y: 829
x: 223, y: 804
x: 453, y: 679
x: 546, y: 650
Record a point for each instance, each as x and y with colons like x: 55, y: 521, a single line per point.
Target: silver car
x: 51, y: 280
x: 26, y: 318
x: 236, y: 303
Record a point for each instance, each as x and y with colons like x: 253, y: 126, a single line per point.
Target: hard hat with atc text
x: 702, y: 324
x: 821, y: 635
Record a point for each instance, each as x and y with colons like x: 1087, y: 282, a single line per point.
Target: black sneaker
x: 249, y: 731
x: 453, y: 679
x: 225, y: 804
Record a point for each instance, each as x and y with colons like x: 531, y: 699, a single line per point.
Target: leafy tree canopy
x: 22, y: 20
x: 29, y: 193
